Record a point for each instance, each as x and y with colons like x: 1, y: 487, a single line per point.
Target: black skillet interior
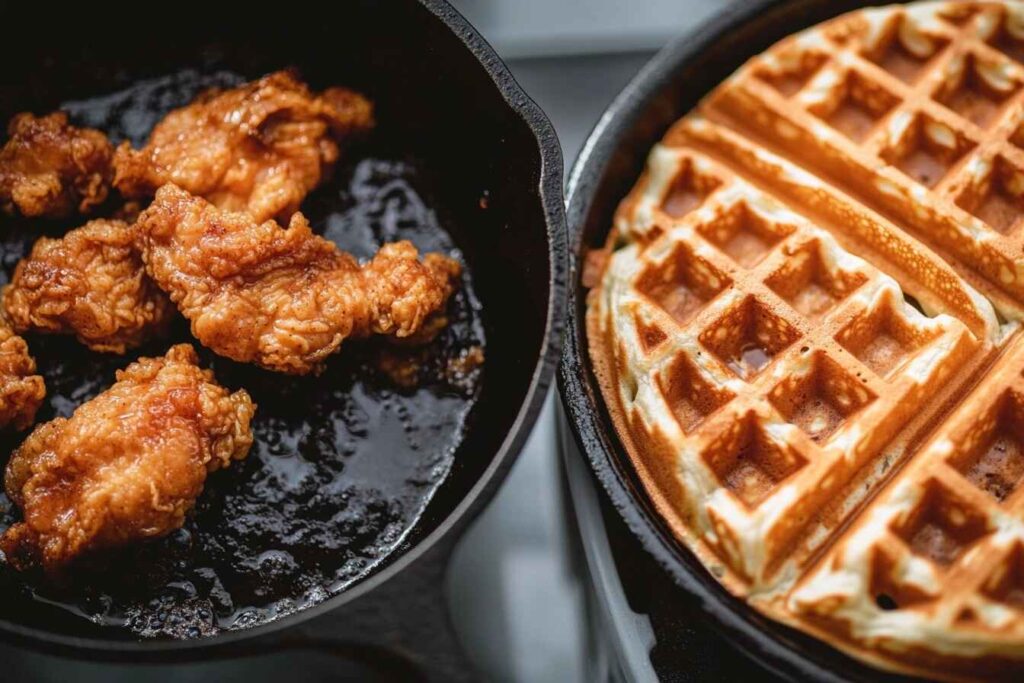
x: 350, y: 470
x: 668, y: 87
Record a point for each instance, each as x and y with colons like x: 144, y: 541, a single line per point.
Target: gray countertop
x: 515, y: 600
x: 513, y: 596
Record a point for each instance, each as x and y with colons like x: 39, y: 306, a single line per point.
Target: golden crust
x: 260, y: 147
x: 90, y: 283
x: 127, y: 465
x: 21, y: 390
x: 283, y: 298
x: 52, y: 169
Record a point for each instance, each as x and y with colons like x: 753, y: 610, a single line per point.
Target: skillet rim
x: 781, y: 649
x: 468, y: 508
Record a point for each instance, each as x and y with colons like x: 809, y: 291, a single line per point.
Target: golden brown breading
x: 283, y: 298
x: 21, y: 390
x: 127, y: 465
x: 260, y: 147
x: 90, y: 283
x: 50, y: 168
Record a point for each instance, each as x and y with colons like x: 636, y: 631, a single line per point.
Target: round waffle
x: 805, y: 325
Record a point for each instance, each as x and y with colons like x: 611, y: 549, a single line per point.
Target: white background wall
x: 532, y: 28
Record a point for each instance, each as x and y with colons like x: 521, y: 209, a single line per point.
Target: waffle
x: 805, y: 325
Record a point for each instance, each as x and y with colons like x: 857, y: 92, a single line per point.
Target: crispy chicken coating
x: 127, y: 465
x: 50, y: 168
x: 283, y: 298
x: 260, y: 147
x: 21, y: 390
x: 90, y: 283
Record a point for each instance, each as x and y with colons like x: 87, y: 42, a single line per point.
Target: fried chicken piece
x: 127, y: 465
x: 283, y: 298
x: 90, y: 283
x: 21, y: 390
x: 51, y: 168
x: 260, y: 147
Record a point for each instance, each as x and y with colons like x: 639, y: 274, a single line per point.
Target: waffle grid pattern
x: 762, y: 336
x: 916, y: 117
x: 802, y: 416
x: 942, y: 549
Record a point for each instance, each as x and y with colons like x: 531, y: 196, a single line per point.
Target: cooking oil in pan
x: 343, y: 464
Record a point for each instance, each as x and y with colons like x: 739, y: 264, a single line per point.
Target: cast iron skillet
x: 461, y: 154
x: 611, y: 161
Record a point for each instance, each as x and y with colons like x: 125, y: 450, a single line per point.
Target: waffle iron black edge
x: 425, y: 560
x: 609, y: 163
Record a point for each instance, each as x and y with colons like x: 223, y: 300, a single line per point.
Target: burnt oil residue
x: 343, y: 463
